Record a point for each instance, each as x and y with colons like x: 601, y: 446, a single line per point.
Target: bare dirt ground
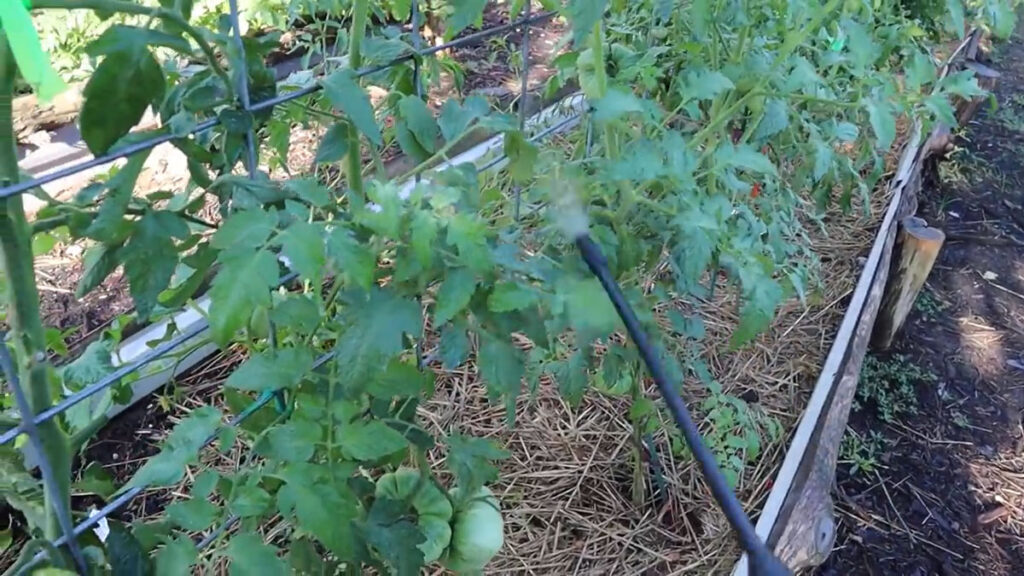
x: 939, y: 489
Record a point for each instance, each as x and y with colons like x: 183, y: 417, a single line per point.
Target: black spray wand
x: 762, y: 561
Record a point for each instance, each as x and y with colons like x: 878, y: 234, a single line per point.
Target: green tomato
x: 432, y: 507
x: 259, y: 324
x: 477, y: 533
x: 659, y: 32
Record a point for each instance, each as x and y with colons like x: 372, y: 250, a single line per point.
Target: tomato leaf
x: 396, y: 538
x: 704, y: 84
x: 242, y: 285
x: 323, y: 508
x: 248, y: 500
x: 297, y: 312
x: 178, y: 451
x: 522, y: 156
x: 99, y: 262
x: 245, y: 229
x: 456, y: 118
x: 194, y: 514
x: 615, y: 104
x: 588, y: 307
x: 150, y: 258
x: 464, y: 13
x: 471, y: 460
x: 424, y: 231
x: 402, y: 379
x: 572, y: 377
x: 584, y: 14
x: 508, y: 297
x: 334, y: 145
x: 303, y: 245
x: 883, y: 121
x: 963, y: 84
x: 346, y: 95
x: 775, y: 120
x: 454, y: 295
x: 176, y: 557
x: 123, y: 38
x: 131, y: 78
x: 251, y: 557
x: 746, y: 158
x: 108, y: 225
x: 501, y: 367
x: 124, y: 552
x: 419, y: 121
x: 294, y: 441
x: 371, y: 440
x: 272, y: 370
x: 454, y: 345
x: 846, y: 132
x: 351, y: 258
x: 375, y: 326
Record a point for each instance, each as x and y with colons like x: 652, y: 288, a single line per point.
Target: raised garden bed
x: 593, y: 479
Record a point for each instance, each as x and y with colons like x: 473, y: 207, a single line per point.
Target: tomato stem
x: 354, y: 160
x: 28, y: 337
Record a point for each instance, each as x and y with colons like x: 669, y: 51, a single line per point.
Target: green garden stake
x: 28, y: 51
x: 279, y: 402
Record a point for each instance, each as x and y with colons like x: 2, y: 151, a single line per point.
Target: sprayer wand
x: 762, y: 561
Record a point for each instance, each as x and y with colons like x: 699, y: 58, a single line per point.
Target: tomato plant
x: 714, y: 123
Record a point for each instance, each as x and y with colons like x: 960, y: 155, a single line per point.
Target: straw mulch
x: 566, y: 488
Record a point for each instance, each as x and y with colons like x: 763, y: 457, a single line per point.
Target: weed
x: 860, y: 452
x: 1011, y: 114
x: 960, y: 419
x: 929, y: 305
x: 889, y: 386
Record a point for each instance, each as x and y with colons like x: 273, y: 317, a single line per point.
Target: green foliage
x: 928, y: 305
x: 860, y: 452
x: 890, y: 386
x: 713, y: 126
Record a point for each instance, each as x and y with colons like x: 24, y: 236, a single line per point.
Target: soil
x: 945, y: 495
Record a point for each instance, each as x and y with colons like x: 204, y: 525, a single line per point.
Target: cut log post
x: 31, y: 115
x: 918, y: 247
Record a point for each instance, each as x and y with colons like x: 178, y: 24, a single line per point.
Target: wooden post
x: 31, y: 115
x: 918, y: 247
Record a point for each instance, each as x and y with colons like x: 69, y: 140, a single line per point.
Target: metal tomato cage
x: 762, y: 560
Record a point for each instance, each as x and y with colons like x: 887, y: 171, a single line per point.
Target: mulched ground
x: 946, y: 496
